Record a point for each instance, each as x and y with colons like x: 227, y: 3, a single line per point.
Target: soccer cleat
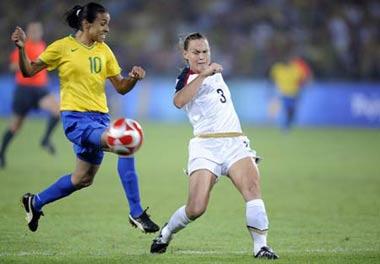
x: 159, y: 246
x: 144, y: 223
x: 48, y: 146
x: 266, y: 253
x: 32, y: 215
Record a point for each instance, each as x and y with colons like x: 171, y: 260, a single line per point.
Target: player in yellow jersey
x: 84, y: 63
x: 289, y: 78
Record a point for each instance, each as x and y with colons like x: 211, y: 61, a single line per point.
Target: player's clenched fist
x: 212, y: 69
x: 137, y: 73
x: 18, y: 37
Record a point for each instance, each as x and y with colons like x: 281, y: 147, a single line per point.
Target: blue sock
x: 61, y: 188
x: 128, y: 177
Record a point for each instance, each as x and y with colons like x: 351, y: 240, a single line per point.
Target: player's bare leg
x: 82, y: 177
x: 200, y: 186
x: 245, y: 176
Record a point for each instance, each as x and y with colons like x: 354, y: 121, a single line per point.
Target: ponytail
x: 75, y: 15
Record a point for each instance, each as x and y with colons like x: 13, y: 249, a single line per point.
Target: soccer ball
x: 125, y: 136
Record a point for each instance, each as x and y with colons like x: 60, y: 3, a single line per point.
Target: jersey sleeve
x: 112, y: 66
x: 182, y: 79
x: 52, y: 55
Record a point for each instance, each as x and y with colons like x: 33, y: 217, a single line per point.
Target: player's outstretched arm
x: 27, y: 67
x: 124, y: 85
x: 185, y: 95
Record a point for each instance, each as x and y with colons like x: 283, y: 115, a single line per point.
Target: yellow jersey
x: 82, y: 72
x: 287, y: 78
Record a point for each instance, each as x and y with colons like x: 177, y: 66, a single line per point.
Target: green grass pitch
x: 321, y: 188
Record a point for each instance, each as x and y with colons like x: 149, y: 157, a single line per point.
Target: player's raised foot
x: 159, y: 246
x: 266, y: 253
x: 32, y: 215
x: 48, y: 146
x: 144, y: 223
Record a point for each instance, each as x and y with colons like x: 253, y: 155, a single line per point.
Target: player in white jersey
x: 211, y: 109
x: 218, y: 148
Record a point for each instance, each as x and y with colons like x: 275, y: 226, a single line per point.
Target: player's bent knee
x: 83, y: 180
x: 193, y: 212
x: 84, y: 183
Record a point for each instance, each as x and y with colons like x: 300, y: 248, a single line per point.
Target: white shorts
x: 217, y: 154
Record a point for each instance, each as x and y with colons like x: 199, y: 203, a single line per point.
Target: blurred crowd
x: 339, y: 39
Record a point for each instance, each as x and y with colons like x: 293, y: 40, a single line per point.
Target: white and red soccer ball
x: 125, y: 136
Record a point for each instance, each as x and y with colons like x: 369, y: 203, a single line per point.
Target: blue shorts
x: 84, y: 130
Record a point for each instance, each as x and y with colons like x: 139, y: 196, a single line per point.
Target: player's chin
x: 101, y: 38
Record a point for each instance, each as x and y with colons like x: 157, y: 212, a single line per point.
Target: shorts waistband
x: 220, y: 135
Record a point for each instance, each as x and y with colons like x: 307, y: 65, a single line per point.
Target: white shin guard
x: 257, y: 223
x: 178, y: 221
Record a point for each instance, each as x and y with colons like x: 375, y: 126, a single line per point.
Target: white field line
x: 190, y: 252
x: 242, y: 252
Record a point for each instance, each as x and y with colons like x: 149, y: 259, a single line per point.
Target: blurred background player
x: 30, y: 93
x: 289, y: 78
x: 84, y: 63
x: 218, y: 148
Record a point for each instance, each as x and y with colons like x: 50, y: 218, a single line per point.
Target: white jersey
x: 211, y: 110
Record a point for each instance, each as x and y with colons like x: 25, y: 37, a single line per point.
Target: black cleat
x: 144, y: 223
x: 48, y: 146
x: 32, y: 216
x: 266, y: 253
x: 159, y: 246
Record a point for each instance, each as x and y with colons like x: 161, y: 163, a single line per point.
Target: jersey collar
x: 87, y: 47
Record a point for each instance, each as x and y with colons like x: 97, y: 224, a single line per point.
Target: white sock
x: 178, y: 221
x: 257, y: 223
